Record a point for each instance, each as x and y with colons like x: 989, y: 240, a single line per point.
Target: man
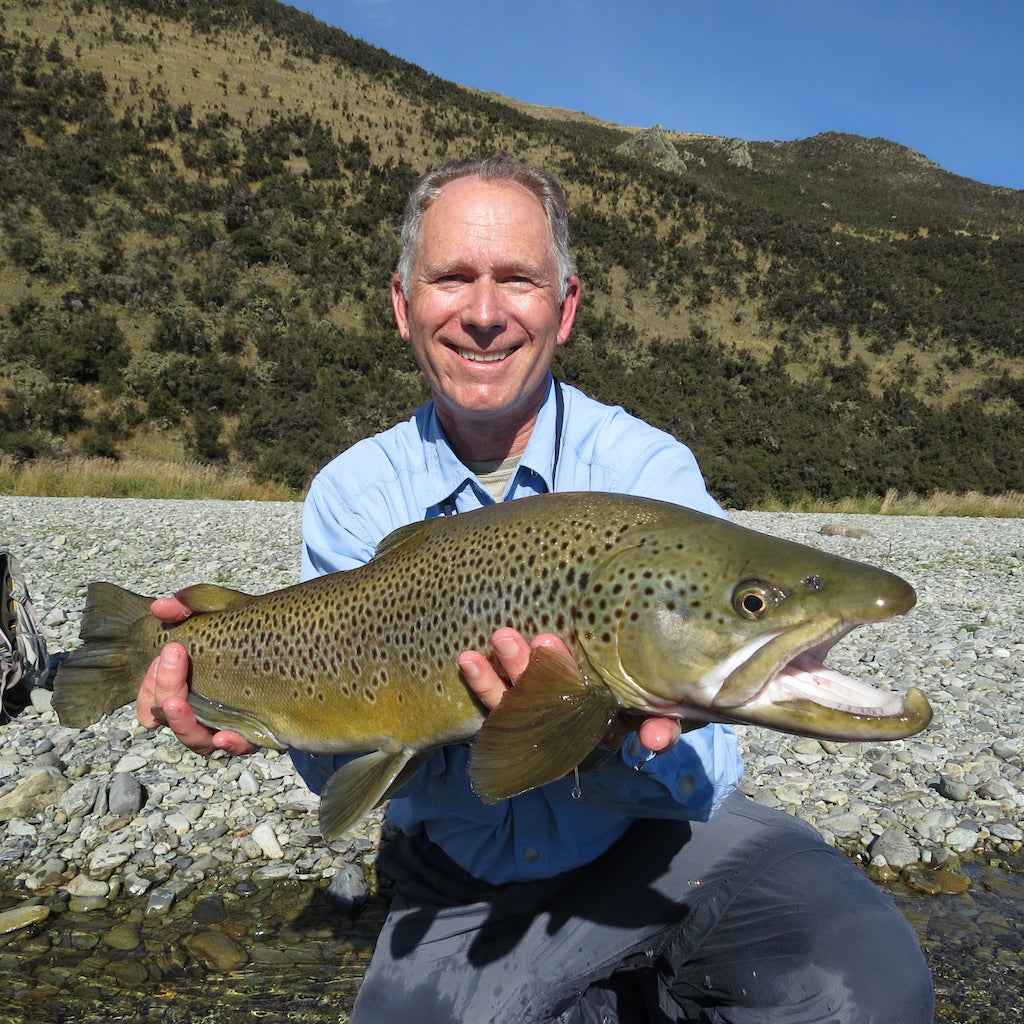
x: 644, y: 888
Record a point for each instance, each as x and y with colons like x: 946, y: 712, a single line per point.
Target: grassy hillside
x: 198, y: 211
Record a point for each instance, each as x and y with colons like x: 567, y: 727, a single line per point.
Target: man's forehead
x: 479, y: 195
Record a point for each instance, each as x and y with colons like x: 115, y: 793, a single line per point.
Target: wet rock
x: 952, y: 881
x: 21, y: 917
x: 128, y: 973
x: 216, y: 951
x: 348, y: 889
x: 921, y: 878
x: 210, y: 910
x: 124, y: 936
x: 87, y: 904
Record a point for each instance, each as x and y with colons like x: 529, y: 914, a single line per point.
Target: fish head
x: 714, y: 622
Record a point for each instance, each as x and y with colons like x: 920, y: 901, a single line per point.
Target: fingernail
x: 170, y: 658
x: 506, y: 647
x: 470, y: 669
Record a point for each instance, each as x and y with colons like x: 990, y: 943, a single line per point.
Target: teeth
x: 485, y: 357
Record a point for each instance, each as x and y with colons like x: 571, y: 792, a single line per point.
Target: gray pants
x: 748, y: 919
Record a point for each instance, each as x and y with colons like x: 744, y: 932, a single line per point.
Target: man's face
x: 482, y: 310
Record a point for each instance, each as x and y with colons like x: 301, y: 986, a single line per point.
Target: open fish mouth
x: 806, y: 697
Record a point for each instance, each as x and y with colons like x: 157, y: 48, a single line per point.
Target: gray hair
x: 500, y: 167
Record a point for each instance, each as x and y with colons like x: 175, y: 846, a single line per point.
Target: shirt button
x: 687, y: 784
x: 530, y: 854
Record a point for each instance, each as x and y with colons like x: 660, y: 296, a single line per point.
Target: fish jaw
x: 805, y: 697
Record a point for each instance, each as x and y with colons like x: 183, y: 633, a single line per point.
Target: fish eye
x: 754, y: 599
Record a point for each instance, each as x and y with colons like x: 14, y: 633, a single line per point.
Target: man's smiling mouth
x: 484, y: 357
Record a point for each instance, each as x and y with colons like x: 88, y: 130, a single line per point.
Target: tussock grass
x: 133, y: 478
x: 156, y: 478
x: 936, y: 503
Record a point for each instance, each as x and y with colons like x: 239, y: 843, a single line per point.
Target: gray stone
x: 80, y: 797
x: 953, y: 789
x: 895, y: 845
x: 34, y: 794
x: 348, y: 889
x: 83, y: 885
x: 265, y: 837
x: 124, y: 798
x: 106, y: 858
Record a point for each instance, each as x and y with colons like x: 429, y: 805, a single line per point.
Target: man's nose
x: 483, y: 308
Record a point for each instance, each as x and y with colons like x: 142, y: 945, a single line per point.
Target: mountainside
x: 198, y: 221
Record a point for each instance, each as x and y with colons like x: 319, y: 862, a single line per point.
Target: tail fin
x: 104, y: 673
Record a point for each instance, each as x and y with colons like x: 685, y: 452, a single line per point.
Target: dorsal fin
x: 400, y: 536
x: 208, y: 597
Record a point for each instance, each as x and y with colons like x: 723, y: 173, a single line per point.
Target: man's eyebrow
x: 526, y: 268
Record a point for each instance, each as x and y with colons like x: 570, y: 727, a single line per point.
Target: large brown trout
x: 666, y: 611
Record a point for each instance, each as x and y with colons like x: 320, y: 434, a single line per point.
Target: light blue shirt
x: 410, y: 473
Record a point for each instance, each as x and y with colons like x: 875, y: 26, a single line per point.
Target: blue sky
x: 944, y: 77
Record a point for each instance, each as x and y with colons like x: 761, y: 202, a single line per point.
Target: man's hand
x: 166, y: 687
x: 489, y: 681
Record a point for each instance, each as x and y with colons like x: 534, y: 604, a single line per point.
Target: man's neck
x: 481, y: 439
x: 490, y: 435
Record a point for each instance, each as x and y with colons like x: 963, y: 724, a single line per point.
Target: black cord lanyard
x: 448, y: 505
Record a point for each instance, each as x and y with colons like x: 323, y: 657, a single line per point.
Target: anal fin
x: 223, y: 716
x: 544, y: 727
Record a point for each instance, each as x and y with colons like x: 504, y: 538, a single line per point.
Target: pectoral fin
x: 357, y: 787
x: 544, y: 726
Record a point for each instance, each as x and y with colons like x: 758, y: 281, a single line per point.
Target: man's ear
x: 400, y: 304
x: 567, y: 314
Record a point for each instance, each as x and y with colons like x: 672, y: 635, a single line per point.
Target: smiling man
x: 481, y: 299
x: 642, y: 887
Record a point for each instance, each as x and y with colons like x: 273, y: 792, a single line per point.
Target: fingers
x: 655, y: 734
x: 659, y: 734
x: 166, y: 679
x: 490, y: 678
x: 166, y: 687
x: 170, y: 609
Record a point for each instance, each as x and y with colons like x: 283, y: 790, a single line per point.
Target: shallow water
x: 306, y: 957
x: 974, y: 943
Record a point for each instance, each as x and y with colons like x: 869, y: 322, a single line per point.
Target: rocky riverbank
x: 113, y: 813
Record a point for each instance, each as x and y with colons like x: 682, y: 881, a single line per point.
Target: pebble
x: 265, y: 837
x: 125, y: 795
x: 217, y: 951
x: 349, y: 889
x: 21, y: 917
